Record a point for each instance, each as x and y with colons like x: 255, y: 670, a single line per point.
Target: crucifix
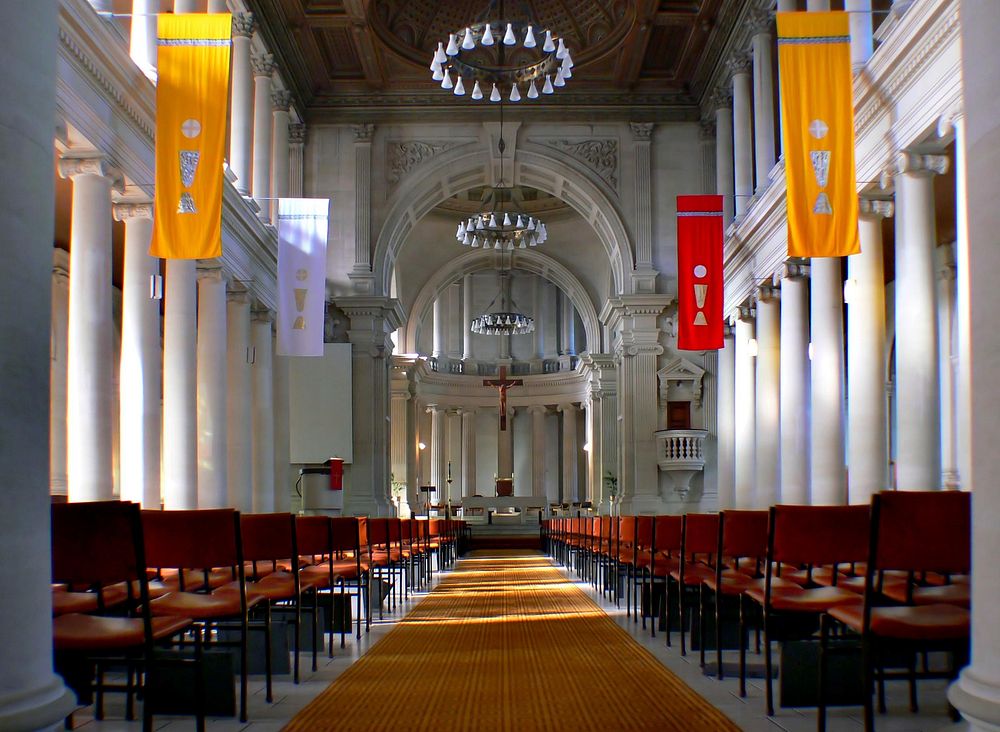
x: 502, y: 385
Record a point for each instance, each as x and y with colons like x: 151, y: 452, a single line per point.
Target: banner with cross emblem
x: 817, y: 117
x: 192, y: 94
x: 699, y: 273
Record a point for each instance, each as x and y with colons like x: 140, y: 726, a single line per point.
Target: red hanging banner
x: 699, y: 273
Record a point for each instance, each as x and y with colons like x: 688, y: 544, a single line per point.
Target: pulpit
x: 505, y: 487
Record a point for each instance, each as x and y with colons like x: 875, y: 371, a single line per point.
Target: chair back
x: 97, y: 544
x: 378, y: 532
x: 667, y: 533
x: 700, y: 534
x: 313, y: 535
x: 743, y: 534
x: 817, y: 535
x: 193, y: 539
x: 644, y: 532
x: 922, y: 531
x: 345, y: 534
x: 268, y: 536
x: 626, y: 535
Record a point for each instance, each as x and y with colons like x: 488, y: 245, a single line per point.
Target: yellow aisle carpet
x: 505, y: 642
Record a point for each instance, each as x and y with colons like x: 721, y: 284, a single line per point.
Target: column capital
x: 262, y: 64
x: 125, y: 210
x: 537, y: 409
x: 243, y: 25
x: 739, y: 63
x: 642, y: 131
x: 790, y: 270
x: 434, y: 409
x: 469, y: 411
x: 209, y: 269
x: 281, y: 100
x: 746, y: 313
x: 567, y: 407
x: 296, y: 134
x: 875, y: 208
x: 70, y: 167
x: 237, y: 293
x: 261, y: 315
x: 767, y: 291
x: 760, y: 21
x: 920, y: 164
x: 722, y: 98
x: 706, y: 130
x: 363, y: 132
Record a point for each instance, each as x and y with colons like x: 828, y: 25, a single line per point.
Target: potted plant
x: 611, y: 488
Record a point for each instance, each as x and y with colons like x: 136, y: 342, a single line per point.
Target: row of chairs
x: 126, y: 581
x: 890, y: 578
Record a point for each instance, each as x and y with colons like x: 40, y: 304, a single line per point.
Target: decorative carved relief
x: 601, y: 156
x: 677, y: 375
x: 404, y: 156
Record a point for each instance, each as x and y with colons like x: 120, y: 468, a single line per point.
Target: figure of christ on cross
x: 502, y: 385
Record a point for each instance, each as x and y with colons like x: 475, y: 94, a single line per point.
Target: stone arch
x: 530, y: 260
x: 464, y: 167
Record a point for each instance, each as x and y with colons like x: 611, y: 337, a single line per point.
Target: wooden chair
x: 95, y: 545
x: 270, y: 546
x: 699, y: 542
x: 811, y: 536
x: 200, y: 543
x: 664, y: 558
x: 914, y: 532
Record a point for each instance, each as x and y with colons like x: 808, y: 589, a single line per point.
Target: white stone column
x: 280, y: 101
x: 372, y: 322
x: 570, y: 472
x: 816, y: 5
x: 537, y: 412
x: 88, y: 412
x: 828, y: 477
x: 739, y: 67
x: 722, y: 101
x: 399, y: 429
x: 763, y: 96
x: 142, y: 35
x: 58, y: 372
x: 185, y: 6
x: 263, y: 67
x: 745, y: 410
x: 918, y: 453
x: 569, y: 325
x: 284, y: 475
x: 467, y: 317
x: 438, y: 451
x: 767, y: 404
x: 218, y: 6
x: 179, y: 474
x: 867, y: 426
x: 645, y: 275
x: 241, y: 114
x: 860, y: 15
x: 469, y: 487
x: 437, y: 336
x: 31, y: 695
x: 239, y: 415
x: 453, y: 455
x: 296, y: 160
x: 794, y: 386
x: 945, y: 271
x: 361, y: 276
x: 141, y: 361
x: 726, y: 438
x: 977, y: 693
x: 262, y: 396
x: 212, y: 442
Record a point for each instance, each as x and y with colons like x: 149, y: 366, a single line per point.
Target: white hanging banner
x: 302, y: 229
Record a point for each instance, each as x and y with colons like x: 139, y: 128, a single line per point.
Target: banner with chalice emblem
x: 302, y: 230
x: 699, y: 273
x: 817, y: 117
x: 192, y: 93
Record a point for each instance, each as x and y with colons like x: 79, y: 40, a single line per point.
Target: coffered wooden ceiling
x: 341, y: 56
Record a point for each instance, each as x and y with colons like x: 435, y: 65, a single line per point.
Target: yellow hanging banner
x: 192, y: 95
x: 817, y: 118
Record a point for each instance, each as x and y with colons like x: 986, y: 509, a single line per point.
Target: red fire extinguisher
x: 336, y: 473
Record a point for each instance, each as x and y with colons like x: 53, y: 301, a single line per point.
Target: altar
x: 504, y: 509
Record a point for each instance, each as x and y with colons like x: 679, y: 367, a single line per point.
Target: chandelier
x: 502, y: 57
x: 502, y: 223
x: 507, y: 320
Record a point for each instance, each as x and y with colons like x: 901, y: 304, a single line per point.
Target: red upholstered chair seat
x: 194, y: 579
x: 736, y: 583
x: 924, y: 622
x: 280, y: 586
x: 76, y: 632
x: 224, y: 602
x: 694, y: 574
x: 957, y: 595
x: 796, y: 599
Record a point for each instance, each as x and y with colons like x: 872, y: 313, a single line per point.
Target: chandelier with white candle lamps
x: 502, y: 58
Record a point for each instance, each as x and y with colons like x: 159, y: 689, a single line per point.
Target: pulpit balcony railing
x: 681, y: 454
